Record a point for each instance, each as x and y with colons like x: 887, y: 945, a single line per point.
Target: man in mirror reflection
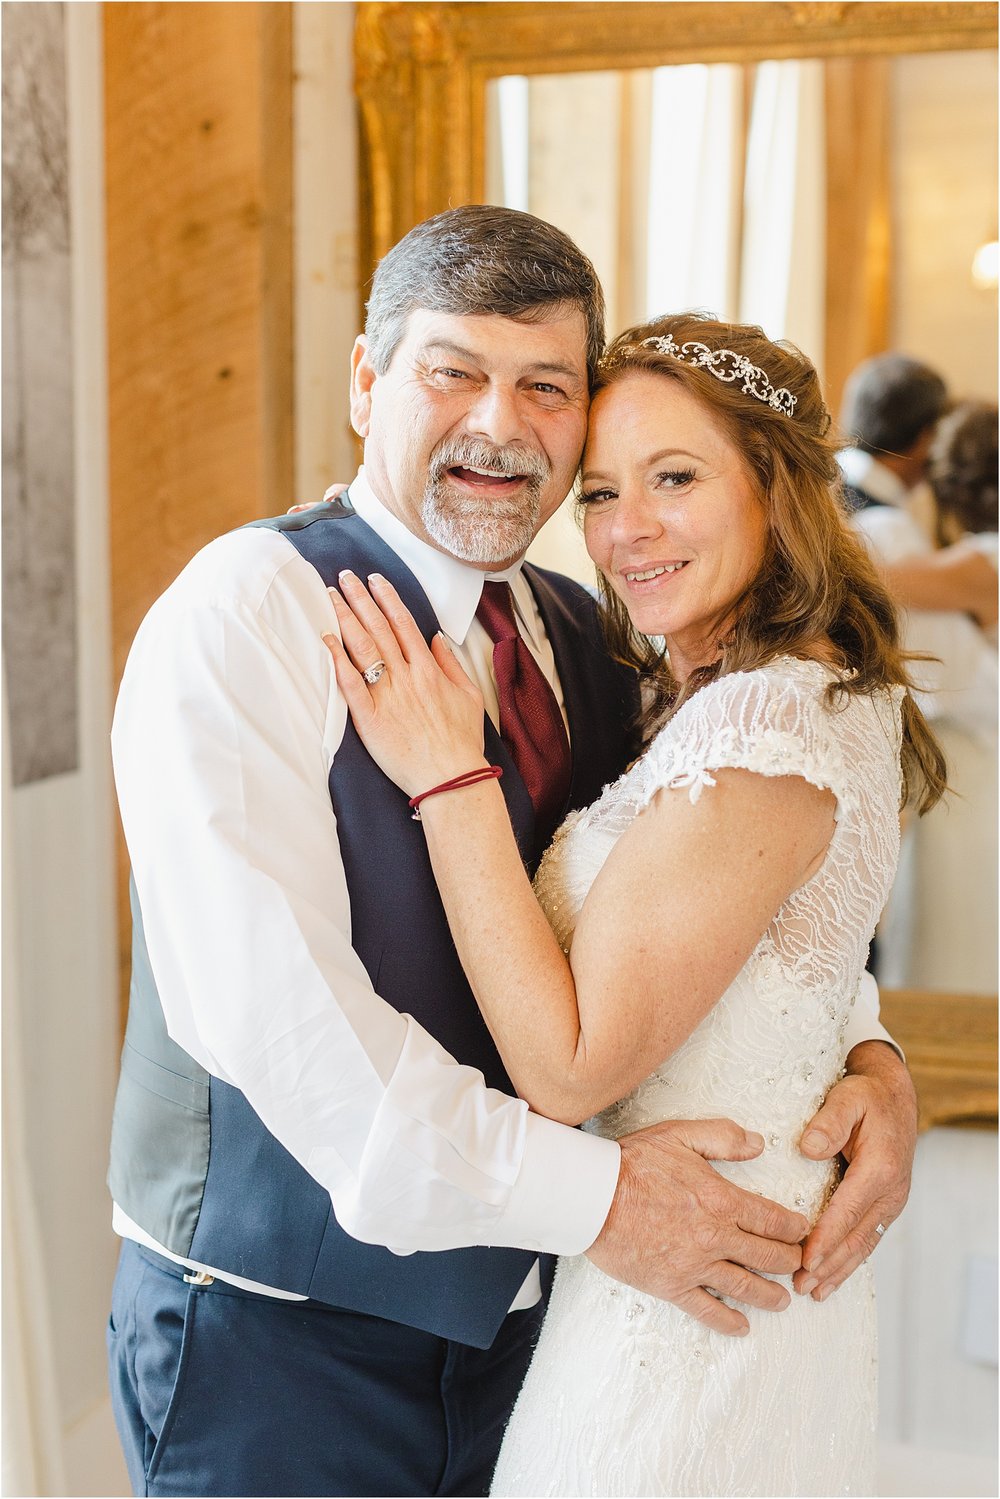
x: 338, y: 1223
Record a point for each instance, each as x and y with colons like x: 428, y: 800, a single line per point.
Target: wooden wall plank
x: 858, y: 240
x: 198, y: 108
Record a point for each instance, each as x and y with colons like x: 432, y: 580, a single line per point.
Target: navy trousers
x: 218, y: 1391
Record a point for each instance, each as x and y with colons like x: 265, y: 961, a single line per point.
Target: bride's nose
x: 636, y: 516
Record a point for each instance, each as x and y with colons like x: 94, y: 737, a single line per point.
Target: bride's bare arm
x: 673, y: 916
x: 671, y: 919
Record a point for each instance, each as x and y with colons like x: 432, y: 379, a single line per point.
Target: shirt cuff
x: 563, y: 1190
x: 863, y: 1023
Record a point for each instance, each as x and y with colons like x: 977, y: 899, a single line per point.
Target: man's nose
x: 498, y: 415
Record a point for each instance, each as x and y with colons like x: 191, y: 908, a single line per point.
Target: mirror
x: 758, y: 191
x: 427, y: 77
x: 425, y: 74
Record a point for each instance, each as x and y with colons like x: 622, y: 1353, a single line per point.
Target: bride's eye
x: 675, y: 478
x: 595, y: 497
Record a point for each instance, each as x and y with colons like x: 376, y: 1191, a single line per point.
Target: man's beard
x: 488, y: 529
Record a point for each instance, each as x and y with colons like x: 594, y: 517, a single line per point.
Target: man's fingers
x: 716, y: 1139
x: 831, y: 1127
x: 850, y: 1204
x: 770, y: 1255
x: 761, y: 1218
x: 739, y: 1284
x: 832, y: 1271
x: 713, y: 1313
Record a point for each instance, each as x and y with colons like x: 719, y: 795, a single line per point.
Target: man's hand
x: 678, y: 1230
x: 870, y: 1117
x: 333, y: 493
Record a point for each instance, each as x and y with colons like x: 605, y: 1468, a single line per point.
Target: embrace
x: 435, y: 858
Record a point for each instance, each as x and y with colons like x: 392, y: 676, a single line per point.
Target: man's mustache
x: 471, y: 452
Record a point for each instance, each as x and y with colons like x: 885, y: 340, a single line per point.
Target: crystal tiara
x: 726, y: 365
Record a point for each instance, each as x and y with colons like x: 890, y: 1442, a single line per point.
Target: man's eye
x: 454, y: 374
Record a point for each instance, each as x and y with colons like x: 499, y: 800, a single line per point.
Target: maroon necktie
x: 531, y: 725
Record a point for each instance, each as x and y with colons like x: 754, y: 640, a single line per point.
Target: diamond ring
x: 880, y: 1229
x: 372, y: 673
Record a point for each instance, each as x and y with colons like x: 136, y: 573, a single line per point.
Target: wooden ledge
x: 950, y: 1041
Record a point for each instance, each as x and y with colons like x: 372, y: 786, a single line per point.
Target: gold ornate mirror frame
x: 421, y: 72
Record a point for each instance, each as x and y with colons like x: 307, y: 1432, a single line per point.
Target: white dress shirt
x: 226, y: 726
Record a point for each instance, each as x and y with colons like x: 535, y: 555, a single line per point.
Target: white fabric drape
x: 32, y: 1460
x: 694, y: 184
x: 784, y: 223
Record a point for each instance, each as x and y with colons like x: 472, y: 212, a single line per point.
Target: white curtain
x: 508, y: 176
x: 694, y: 183
x: 784, y: 223
x: 32, y: 1460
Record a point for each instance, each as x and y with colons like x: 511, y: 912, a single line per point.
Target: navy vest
x: 191, y: 1161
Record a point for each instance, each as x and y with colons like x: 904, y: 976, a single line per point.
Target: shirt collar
x: 453, y: 588
x: 863, y: 471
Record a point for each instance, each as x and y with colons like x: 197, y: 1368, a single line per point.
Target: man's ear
x: 363, y: 378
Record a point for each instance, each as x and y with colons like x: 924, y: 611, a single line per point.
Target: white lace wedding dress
x: 626, y: 1394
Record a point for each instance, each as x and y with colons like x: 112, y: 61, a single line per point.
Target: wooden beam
x: 198, y: 110
x: 858, y: 237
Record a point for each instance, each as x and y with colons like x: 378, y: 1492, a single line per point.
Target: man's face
x: 474, y: 432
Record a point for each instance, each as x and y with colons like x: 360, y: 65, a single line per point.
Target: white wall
x: 944, y: 124
x: 936, y: 1277
x: 59, y: 899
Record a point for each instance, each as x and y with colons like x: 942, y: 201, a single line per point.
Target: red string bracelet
x: 470, y: 778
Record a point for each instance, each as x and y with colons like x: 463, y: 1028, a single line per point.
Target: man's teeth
x: 487, y: 473
x: 655, y: 572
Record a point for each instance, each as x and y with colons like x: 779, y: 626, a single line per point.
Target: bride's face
x: 671, y: 514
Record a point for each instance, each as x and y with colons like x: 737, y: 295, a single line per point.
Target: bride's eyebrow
x: 596, y: 473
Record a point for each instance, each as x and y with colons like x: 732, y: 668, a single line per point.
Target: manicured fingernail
x: 375, y: 578
x: 328, y: 639
x: 809, y: 1284
x: 814, y: 1139
x: 346, y: 573
x: 826, y: 1291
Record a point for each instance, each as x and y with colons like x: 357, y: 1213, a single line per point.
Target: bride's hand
x: 422, y: 719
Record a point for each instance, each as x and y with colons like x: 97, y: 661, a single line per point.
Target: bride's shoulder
x: 775, y: 690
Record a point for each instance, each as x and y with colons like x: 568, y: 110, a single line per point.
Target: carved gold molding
x: 422, y: 71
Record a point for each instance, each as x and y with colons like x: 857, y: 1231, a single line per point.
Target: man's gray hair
x: 889, y: 401
x: 482, y: 260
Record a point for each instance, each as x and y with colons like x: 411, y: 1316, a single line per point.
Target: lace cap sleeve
x: 776, y: 721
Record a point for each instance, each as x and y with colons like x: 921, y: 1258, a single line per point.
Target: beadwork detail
x: 726, y: 365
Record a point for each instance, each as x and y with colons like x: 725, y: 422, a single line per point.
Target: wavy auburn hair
x: 816, y: 579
